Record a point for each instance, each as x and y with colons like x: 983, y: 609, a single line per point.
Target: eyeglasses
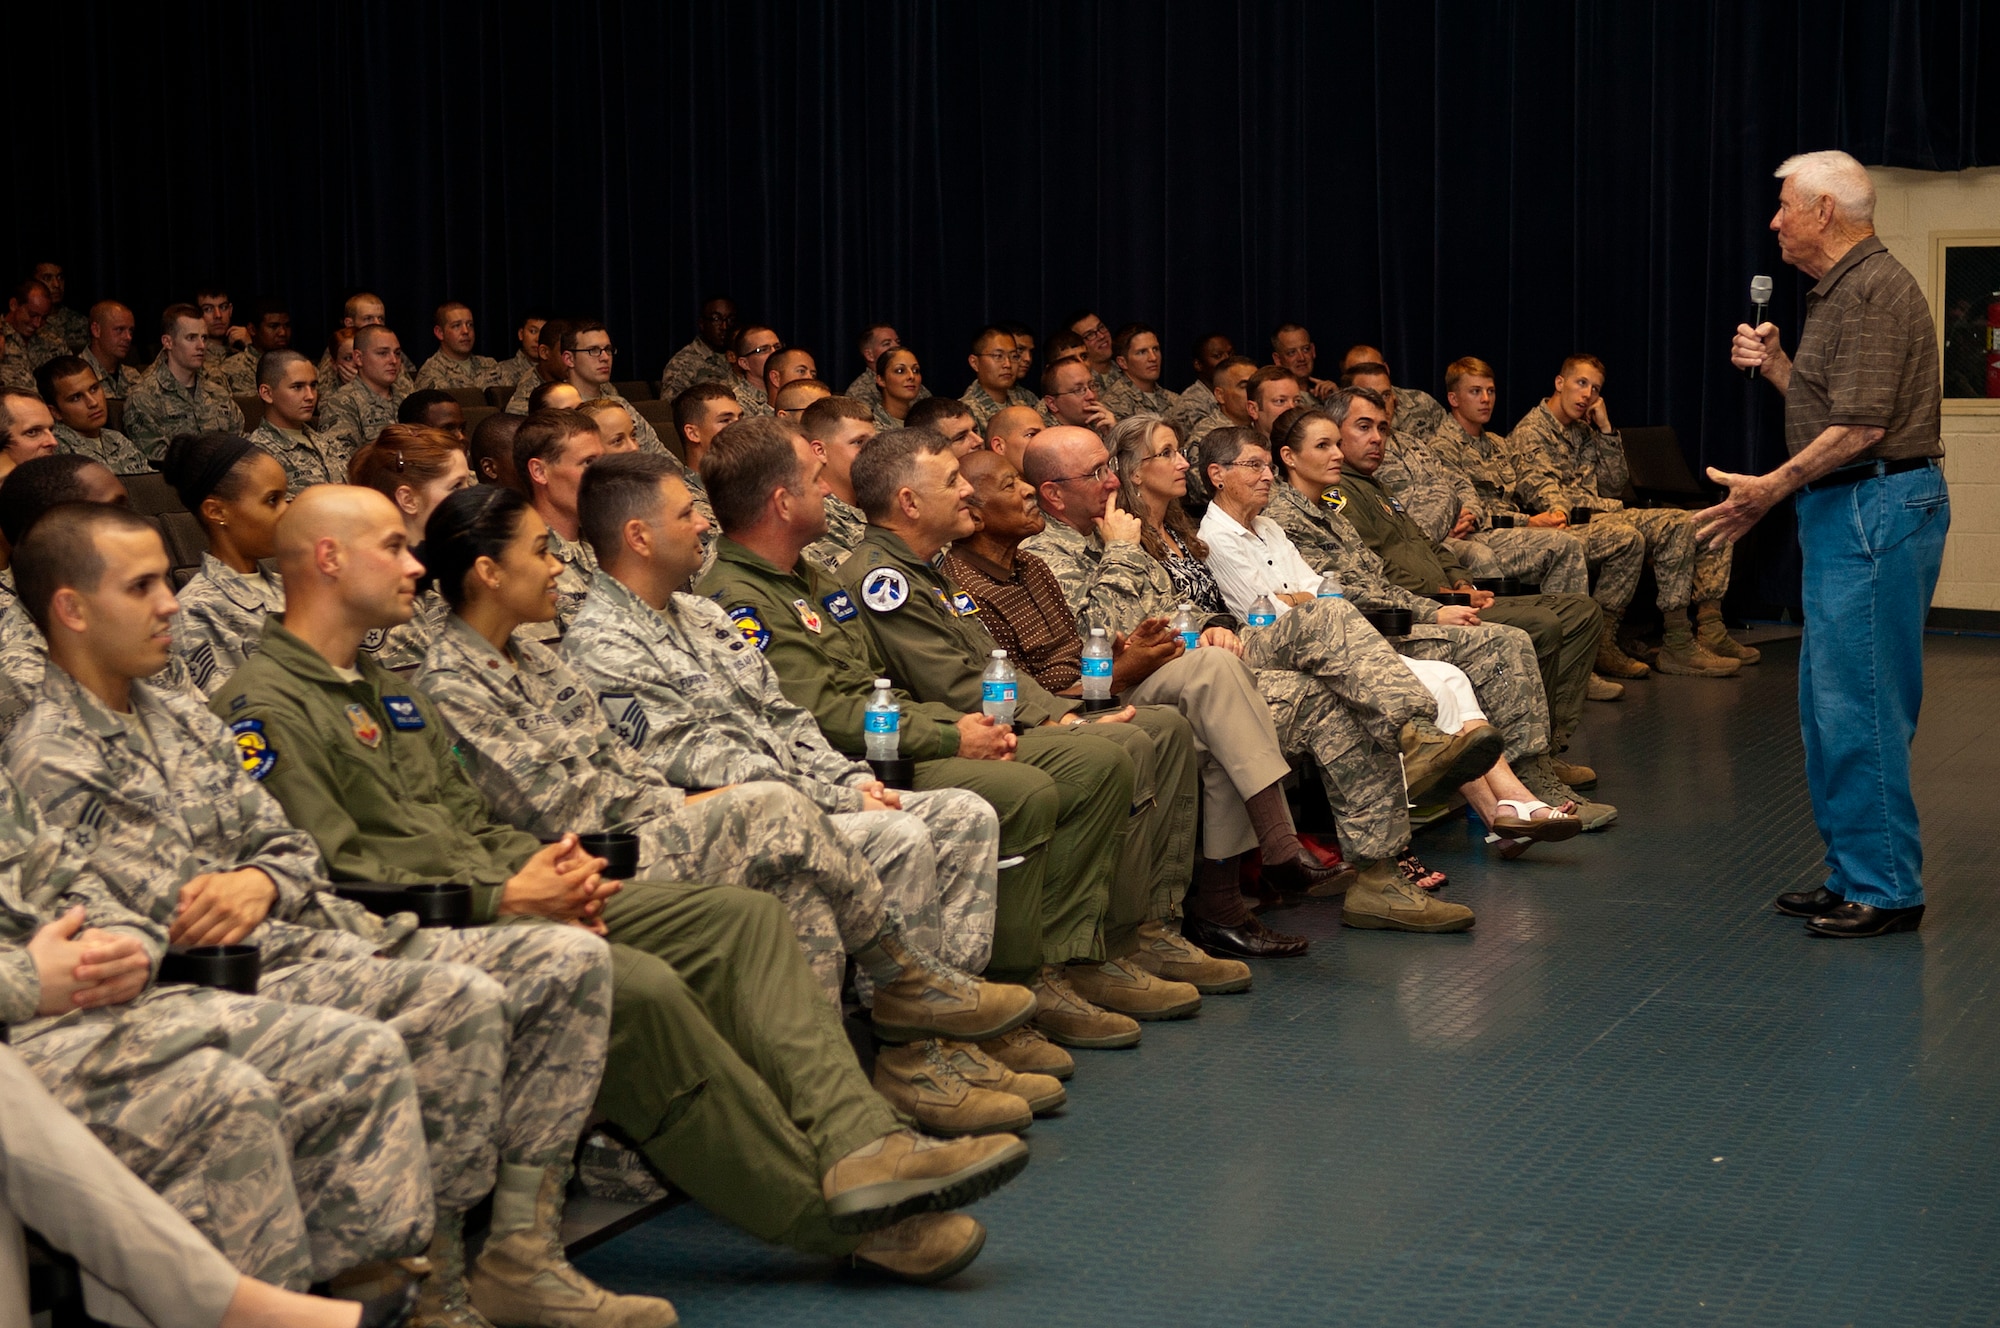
x: 1171, y: 451
x: 1254, y: 467
x: 771, y: 349
x: 1095, y: 332
x: 1101, y: 474
x: 1077, y: 391
x: 998, y: 354
x: 594, y: 350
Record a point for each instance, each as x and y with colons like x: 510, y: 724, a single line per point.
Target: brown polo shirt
x: 1026, y: 613
x: 1867, y: 356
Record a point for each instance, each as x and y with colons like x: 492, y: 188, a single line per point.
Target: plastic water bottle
x: 999, y: 688
x: 1187, y: 626
x: 1263, y: 613
x: 1329, y: 588
x: 880, y: 723
x: 1097, y: 666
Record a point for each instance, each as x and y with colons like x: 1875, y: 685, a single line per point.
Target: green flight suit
x: 727, y: 1067
x: 1565, y: 628
x: 1061, y: 801
x: 937, y: 648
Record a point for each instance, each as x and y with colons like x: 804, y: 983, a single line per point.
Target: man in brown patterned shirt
x: 1863, y: 430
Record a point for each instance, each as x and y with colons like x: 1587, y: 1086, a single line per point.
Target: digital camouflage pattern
x: 221, y: 618
x: 845, y: 527
x: 356, y: 413
x: 445, y: 372
x: 118, y: 454
x: 985, y: 407
x: 309, y: 456
x: 696, y: 362
x: 158, y: 408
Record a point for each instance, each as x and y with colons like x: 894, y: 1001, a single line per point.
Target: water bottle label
x: 1263, y: 619
x: 1331, y: 594
x: 881, y: 721
x: 997, y: 693
x: 1191, y: 639
x: 1096, y: 668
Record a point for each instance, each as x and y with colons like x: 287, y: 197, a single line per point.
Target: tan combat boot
x: 1715, y: 639
x: 1123, y: 986
x: 1433, y: 760
x: 1576, y: 776
x: 1170, y: 956
x: 522, y: 1277
x: 1381, y: 900
x: 1681, y: 654
x: 1603, y: 689
x: 1066, y: 1017
x: 1026, y: 1050
x: 929, y: 999
x: 923, y: 1250
x: 903, y: 1174
x: 1612, y: 661
x: 922, y: 1084
x: 442, y: 1298
x: 1043, y: 1093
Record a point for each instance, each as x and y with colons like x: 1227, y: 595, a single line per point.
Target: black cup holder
x: 224, y: 967
x: 620, y: 853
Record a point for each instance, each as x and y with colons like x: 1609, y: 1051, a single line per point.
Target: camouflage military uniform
x: 505, y: 1026
x: 118, y: 453
x: 866, y: 390
x: 357, y: 413
x: 509, y: 372
x: 1501, y: 475
x: 928, y: 630
x: 24, y: 655
x: 402, y: 648
x: 1589, y: 468
x: 1060, y: 801
x: 239, y: 372
x: 696, y: 362
x: 1191, y: 403
x: 118, y: 383
x: 1339, y: 696
x: 1498, y: 659
x: 329, y: 379
x: 9, y: 597
x: 446, y: 371
x: 158, y: 408
x: 533, y: 738
x: 884, y: 421
x: 69, y: 326
x: 689, y: 691
x: 727, y: 1067
x: 221, y: 618
x: 845, y: 525
x: 1434, y: 494
x: 524, y: 387
x: 309, y: 456
x: 749, y: 396
x: 289, y: 1137
x: 984, y: 407
x: 1418, y: 413
x: 1124, y: 399
x: 579, y: 564
x: 17, y: 359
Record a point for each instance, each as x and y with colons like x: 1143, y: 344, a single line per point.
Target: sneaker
x: 921, y: 1082
x: 1168, y: 955
x: 1025, y: 1050
x: 1073, y: 1021
x: 1042, y: 1092
x: 903, y: 1174
x: 930, y: 998
x: 1383, y: 901
x: 1123, y: 986
x: 922, y: 1250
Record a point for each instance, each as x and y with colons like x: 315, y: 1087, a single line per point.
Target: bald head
x: 1057, y: 452
x: 345, y: 555
x: 1359, y: 354
x: 981, y: 466
x: 1010, y: 431
x: 1062, y: 466
x: 337, y: 512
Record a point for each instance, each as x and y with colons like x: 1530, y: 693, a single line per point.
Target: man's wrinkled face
x: 111, y: 337
x: 1088, y: 479
x: 1002, y: 501
x: 1096, y: 338
x: 51, y: 276
x: 80, y: 402
x: 273, y: 332
x: 1361, y: 437
x: 1231, y: 388
x: 455, y: 333
x: 216, y: 311
x: 187, y: 345
x: 382, y: 360
x: 716, y: 324
x: 1244, y: 483
x: 1800, y: 223
x: 1578, y: 390
x: 295, y: 396
x: 1473, y: 399
x: 31, y: 429
x: 879, y: 340
x: 1295, y: 352
x: 1273, y: 399
x: 1141, y: 360
x: 943, y: 498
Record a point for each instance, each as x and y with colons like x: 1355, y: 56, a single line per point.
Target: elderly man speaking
x: 1861, y: 425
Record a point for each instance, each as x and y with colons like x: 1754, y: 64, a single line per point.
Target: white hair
x: 1835, y: 175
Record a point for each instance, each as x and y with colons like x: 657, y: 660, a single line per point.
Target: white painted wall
x: 1909, y: 207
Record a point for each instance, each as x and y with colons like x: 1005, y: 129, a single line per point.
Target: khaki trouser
x: 1234, y: 738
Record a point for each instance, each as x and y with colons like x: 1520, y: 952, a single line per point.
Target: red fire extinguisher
x: 1993, y: 346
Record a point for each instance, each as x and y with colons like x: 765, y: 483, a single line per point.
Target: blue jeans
x: 1872, y: 551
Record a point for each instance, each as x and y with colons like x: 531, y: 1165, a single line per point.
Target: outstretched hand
x: 1749, y: 497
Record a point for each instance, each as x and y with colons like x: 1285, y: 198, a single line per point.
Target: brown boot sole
x: 1673, y: 668
x: 1370, y: 922
x: 900, y: 1033
x: 872, y: 1207
x: 1482, y: 750
x: 1185, y: 1010
x: 957, y: 1264
x: 942, y: 1128
x: 1630, y: 671
x: 1108, y: 1042
x: 1225, y: 987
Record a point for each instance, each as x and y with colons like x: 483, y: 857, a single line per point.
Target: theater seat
x: 474, y: 414
x: 635, y: 391
x: 1660, y: 474
x: 660, y: 414
x: 498, y: 397
x: 152, y: 495
x: 115, y: 409
x: 185, y: 542
x: 469, y: 397
x: 253, y: 412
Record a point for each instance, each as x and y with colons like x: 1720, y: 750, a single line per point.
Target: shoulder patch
x: 885, y: 589
x: 752, y: 626
x: 840, y: 606
x: 1333, y: 497
x: 403, y: 712
x: 964, y: 605
x: 259, y: 757
x: 373, y: 641
x: 626, y: 716
x: 201, y: 665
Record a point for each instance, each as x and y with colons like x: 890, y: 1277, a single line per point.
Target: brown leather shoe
x: 1025, y: 1050
x: 1168, y: 955
x: 921, y: 1083
x: 903, y: 1174
x: 931, y: 999
x: 1436, y: 760
x: 1123, y: 986
x: 922, y: 1250
x: 1068, y: 1018
x: 1042, y: 1092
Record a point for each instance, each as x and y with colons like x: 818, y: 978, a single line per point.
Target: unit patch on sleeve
x: 752, y: 626
x: 885, y: 589
x: 253, y: 748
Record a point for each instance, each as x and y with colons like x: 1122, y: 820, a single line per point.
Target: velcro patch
x: 259, y: 757
x: 840, y: 606
x: 752, y: 626
x: 885, y: 589
x: 403, y: 712
x: 1333, y: 497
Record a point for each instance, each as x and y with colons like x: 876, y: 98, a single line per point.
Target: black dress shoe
x: 1307, y: 875
x: 390, y: 1311
x: 1850, y: 920
x: 1248, y: 939
x: 1807, y: 903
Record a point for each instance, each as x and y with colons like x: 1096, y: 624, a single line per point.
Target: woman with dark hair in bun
x: 237, y: 491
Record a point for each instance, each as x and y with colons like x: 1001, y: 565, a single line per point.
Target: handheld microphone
x: 1760, y: 295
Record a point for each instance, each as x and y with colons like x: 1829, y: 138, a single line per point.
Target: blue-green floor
x: 1633, y: 1095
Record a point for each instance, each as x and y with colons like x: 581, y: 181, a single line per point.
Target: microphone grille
x: 1760, y: 290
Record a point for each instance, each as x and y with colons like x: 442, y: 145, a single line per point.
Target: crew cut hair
x: 60, y: 551
x: 888, y: 464
x: 617, y: 489
x: 541, y: 438
x: 744, y: 464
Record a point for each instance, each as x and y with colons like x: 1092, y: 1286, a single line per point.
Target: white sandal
x: 1515, y: 827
